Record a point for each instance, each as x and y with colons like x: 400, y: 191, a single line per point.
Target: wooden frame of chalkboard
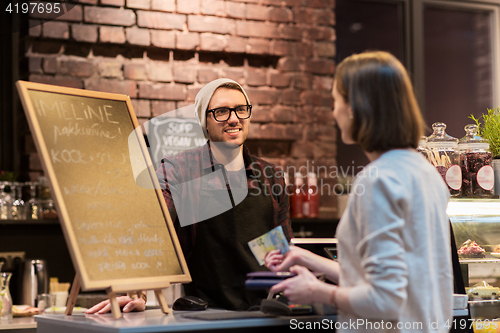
x: 116, y: 224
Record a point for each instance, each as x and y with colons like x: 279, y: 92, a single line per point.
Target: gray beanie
x: 203, y: 99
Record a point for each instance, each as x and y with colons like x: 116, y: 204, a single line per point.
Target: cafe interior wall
x: 161, y: 52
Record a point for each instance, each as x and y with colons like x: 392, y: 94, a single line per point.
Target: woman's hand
x: 304, y: 288
x: 129, y: 304
x: 277, y: 262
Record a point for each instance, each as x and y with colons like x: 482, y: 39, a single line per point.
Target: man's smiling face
x: 233, y: 131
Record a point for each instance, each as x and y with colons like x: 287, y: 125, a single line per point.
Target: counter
x: 156, y: 321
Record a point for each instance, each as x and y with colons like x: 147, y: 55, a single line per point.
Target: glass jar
x: 5, y: 298
x: 475, y: 162
x: 422, y: 146
x: 443, y: 154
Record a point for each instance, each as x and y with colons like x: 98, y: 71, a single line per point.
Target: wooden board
x: 119, y: 234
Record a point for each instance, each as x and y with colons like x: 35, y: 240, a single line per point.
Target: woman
x: 394, y: 271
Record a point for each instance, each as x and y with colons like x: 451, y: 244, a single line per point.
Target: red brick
x: 258, y: 46
x: 303, y: 49
x: 75, y: 68
x: 84, y: 33
x: 141, y: 107
x: 136, y: 72
x: 163, y: 39
x: 282, y: 114
x: 35, y: 65
x: 35, y: 162
x: 184, y: 74
x: 159, y: 108
x: 112, y: 16
x: 254, y: 131
x: 320, y: 66
x: 56, y: 30
x: 263, y: 2
x: 187, y: 41
x: 262, y: 96
x: 236, y: 44
x: 112, y: 86
x: 257, y: 29
x: 163, y: 5
x: 71, y: 13
x: 50, y: 65
x: 90, y: 2
x: 138, y: 36
x: 172, y: 92
x: 291, y: 97
x: 185, y: 110
x: 64, y: 81
x: 320, y: 132
x: 235, y: 10
x: 323, y: 83
x: 111, y: 35
x: 277, y: 14
x: 160, y: 71
x: 302, y: 150
x: 316, y: 98
x: 303, y: 81
x: 188, y: 6
x: 213, y: 7
x: 35, y: 28
x: 139, y: 4
x: 290, y: 32
x: 110, y: 69
x: 211, y: 42
x: 156, y: 20
x: 213, y: 24
x: 293, y: 3
x: 279, y: 80
x: 303, y: 16
x: 272, y: 131
x: 261, y: 114
x: 257, y: 12
x: 192, y: 91
x: 290, y: 64
x: 233, y: 74
x: 207, y: 75
x: 319, y: 33
x: 324, y: 150
x: 325, y: 17
x: 256, y: 78
x: 294, y: 131
x: 117, y: 3
x: 282, y: 48
x: 320, y: 4
x: 325, y: 49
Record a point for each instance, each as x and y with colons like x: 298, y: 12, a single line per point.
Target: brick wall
x: 161, y: 52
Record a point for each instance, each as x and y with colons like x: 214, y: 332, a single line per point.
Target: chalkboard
x: 169, y: 136
x: 119, y: 234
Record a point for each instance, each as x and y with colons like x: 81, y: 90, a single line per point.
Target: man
x: 226, y: 199
x: 219, y: 198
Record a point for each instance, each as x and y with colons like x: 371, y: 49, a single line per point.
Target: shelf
x: 28, y: 222
x: 479, y: 261
x: 474, y: 210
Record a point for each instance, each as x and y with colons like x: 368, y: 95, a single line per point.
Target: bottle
x: 34, y: 208
x: 422, y: 146
x: 18, y: 211
x: 475, y: 163
x: 298, y: 197
x: 443, y: 154
x: 312, y: 199
x: 5, y: 298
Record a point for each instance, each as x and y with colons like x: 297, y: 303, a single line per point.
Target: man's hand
x: 129, y: 304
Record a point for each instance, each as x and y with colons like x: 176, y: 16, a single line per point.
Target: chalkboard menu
x: 170, y: 136
x: 118, y: 233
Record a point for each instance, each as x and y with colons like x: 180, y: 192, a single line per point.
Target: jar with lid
x: 422, y: 146
x: 443, y: 154
x: 475, y: 162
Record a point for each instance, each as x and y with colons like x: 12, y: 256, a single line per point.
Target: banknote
x: 272, y: 240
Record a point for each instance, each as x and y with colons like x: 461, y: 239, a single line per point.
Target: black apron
x: 221, y: 257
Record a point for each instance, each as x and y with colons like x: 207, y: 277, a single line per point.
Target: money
x: 272, y: 240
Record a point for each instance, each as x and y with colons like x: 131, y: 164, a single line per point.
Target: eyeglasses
x: 223, y: 114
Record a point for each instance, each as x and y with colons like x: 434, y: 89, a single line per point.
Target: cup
x: 45, y: 303
x: 61, y: 297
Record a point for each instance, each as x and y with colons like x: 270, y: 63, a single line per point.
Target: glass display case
x: 476, y: 227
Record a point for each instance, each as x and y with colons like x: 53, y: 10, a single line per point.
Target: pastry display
x: 483, y: 290
x: 496, y: 249
x: 470, y: 249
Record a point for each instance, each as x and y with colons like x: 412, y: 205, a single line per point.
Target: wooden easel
x: 112, y: 291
